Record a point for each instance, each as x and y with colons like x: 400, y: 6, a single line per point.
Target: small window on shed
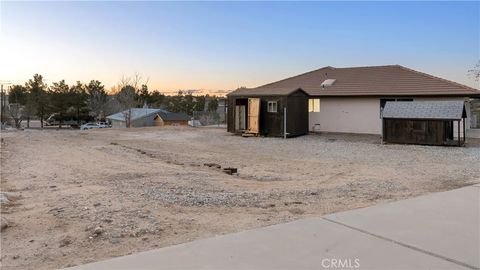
x: 314, y: 105
x: 272, y: 106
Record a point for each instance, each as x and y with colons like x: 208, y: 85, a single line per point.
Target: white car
x: 103, y: 125
x: 89, y: 126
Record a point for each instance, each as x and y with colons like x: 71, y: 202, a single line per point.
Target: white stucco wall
x: 356, y: 115
x: 350, y: 115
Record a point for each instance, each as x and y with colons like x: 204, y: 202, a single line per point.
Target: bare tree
x: 475, y: 72
x: 127, y: 95
x: 16, y: 112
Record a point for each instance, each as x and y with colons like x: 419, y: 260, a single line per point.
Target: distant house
x: 145, y: 117
x: 349, y: 100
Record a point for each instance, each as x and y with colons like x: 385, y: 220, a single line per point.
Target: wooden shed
x: 268, y: 112
x: 424, y: 122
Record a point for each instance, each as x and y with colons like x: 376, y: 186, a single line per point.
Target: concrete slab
x: 446, y: 224
x: 437, y: 231
x: 304, y: 244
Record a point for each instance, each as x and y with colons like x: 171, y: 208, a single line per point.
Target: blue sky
x: 224, y: 45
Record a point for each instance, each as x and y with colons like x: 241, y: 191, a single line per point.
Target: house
x: 348, y: 100
x: 424, y: 122
x: 146, y: 117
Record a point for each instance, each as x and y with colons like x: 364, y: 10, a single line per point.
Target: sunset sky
x: 225, y: 45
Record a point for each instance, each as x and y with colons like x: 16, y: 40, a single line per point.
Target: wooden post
x: 464, y: 130
x: 458, y: 131
x: 383, y: 128
x: 285, y: 122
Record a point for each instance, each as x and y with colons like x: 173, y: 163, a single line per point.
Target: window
x: 272, y: 106
x: 314, y: 105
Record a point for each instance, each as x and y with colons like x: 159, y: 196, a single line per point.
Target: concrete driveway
x: 436, y: 231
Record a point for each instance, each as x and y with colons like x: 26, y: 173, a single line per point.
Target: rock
x: 98, y: 230
x: 114, y: 240
x: 296, y: 211
x: 4, y: 223
x: 4, y: 198
x: 215, y: 165
x: 97, y: 204
x: 67, y: 240
x: 107, y: 220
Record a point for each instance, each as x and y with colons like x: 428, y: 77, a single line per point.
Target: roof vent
x: 328, y: 82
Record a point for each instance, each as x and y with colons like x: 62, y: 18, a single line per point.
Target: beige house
x: 351, y: 100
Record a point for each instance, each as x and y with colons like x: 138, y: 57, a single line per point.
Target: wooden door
x: 254, y: 115
x: 239, y: 117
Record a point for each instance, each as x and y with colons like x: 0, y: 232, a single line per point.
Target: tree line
x: 84, y: 102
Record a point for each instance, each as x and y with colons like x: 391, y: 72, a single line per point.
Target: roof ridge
x: 377, y: 66
x: 439, y: 78
x: 305, y: 73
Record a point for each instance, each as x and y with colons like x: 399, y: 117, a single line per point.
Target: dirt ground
x: 75, y: 197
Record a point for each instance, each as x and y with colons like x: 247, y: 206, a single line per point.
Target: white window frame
x: 272, y: 106
x: 313, y: 105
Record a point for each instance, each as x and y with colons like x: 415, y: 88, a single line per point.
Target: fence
x: 209, y: 118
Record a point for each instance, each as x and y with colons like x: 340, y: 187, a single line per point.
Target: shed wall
x: 297, y: 115
x: 428, y: 132
x: 271, y: 123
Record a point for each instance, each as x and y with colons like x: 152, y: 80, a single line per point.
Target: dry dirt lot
x: 75, y: 197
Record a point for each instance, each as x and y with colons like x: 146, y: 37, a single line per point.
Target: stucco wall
x: 351, y: 115
x: 356, y: 115
x: 118, y: 124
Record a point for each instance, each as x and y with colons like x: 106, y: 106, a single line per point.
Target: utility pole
x: 2, y: 104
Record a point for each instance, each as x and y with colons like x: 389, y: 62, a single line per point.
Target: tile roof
x: 285, y: 91
x: 452, y: 110
x: 393, y: 80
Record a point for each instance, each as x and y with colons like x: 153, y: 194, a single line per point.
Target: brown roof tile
x: 391, y: 80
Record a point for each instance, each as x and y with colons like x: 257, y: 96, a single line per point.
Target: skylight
x: 328, y: 82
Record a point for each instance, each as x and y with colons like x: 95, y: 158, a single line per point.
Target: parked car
x: 89, y: 126
x: 103, y: 125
